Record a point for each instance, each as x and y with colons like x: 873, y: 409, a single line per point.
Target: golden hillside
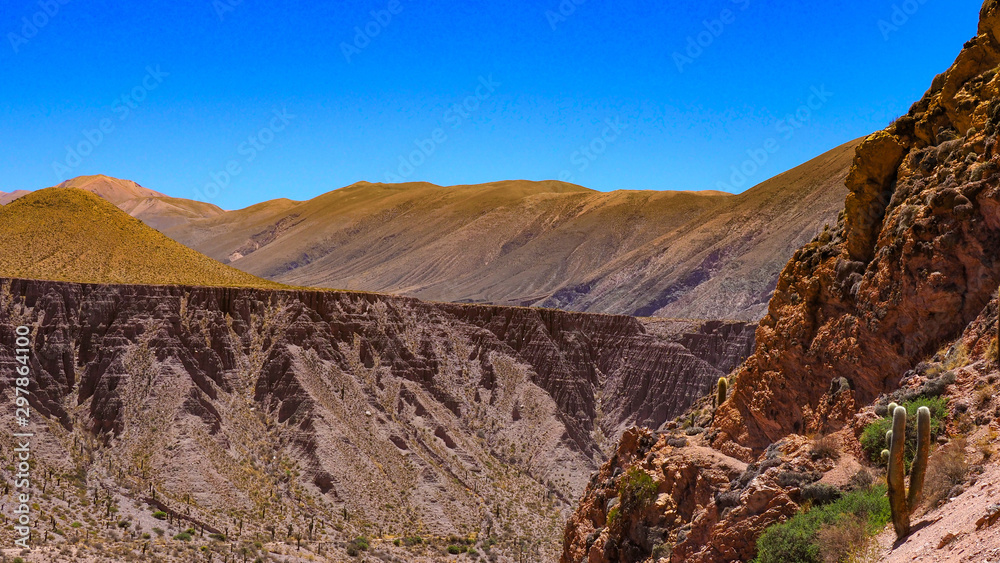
x: 551, y: 244
x: 69, y: 234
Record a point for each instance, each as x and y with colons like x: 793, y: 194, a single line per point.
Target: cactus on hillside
x: 721, y: 391
x: 902, y: 503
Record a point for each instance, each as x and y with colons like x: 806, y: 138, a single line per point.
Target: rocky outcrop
x: 910, y: 264
x: 394, y: 415
x: 870, y: 182
x: 706, y: 506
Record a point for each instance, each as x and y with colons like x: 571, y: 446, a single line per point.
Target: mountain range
x: 709, y: 255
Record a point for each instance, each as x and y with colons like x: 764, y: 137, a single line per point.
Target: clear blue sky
x: 188, y: 88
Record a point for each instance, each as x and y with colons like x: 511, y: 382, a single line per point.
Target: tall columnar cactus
x: 900, y: 503
x: 721, y: 391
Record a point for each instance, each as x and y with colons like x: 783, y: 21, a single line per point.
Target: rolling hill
x: 69, y: 234
x: 550, y: 244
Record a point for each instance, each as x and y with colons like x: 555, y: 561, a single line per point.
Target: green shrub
x: 795, y: 541
x: 661, y: 551
x: 636, y: 490
x: 183, y: 536
x: 456, y: 549
x: 873, y: 436
x: 357, y: 545
x: 160, y: 515
x: 612, y: 516
x: 217, y: 537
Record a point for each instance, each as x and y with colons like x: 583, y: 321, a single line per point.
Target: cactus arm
x: 896, y: 479
x: 919, y: 467
x: 721, y: 391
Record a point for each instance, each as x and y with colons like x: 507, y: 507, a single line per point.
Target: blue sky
x: 238, y: 101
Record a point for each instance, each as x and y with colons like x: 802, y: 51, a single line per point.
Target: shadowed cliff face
x: 911, y: 264
x: 373, y: 414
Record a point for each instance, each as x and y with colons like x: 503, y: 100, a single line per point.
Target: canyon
x: 347, y: 414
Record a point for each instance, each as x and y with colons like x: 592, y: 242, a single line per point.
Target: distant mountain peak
x: 114, y: 190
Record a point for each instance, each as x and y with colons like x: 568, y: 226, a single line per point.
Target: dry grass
x: 67, y: 234
x: 825, y: 447
x: 985, y: 445
x: 984, y: 396
x: 946, y: 469
x: 837, y: 541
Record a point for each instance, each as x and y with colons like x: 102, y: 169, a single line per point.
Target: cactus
x: 885, y: 456
x: 721, y: 391
x: 892, y: 409
x: 919, y: 469
x: 900, y: 503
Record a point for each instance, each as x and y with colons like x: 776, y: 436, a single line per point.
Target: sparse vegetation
x: 88, y: 239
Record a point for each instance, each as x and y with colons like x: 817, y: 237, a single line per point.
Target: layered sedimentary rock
x: 372, y: 414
